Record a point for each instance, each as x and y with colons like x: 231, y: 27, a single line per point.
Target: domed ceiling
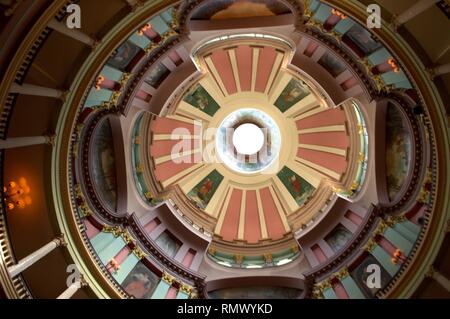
x: 260, y: 196
x: 242, y: 149
x: 251, y: 151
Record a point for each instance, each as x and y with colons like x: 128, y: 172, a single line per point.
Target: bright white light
x: 224, y: 263
x: 248, y: 139
x: 253, y: 266
x: 283, y: 262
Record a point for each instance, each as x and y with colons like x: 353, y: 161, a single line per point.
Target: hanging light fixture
x: 16, y: 194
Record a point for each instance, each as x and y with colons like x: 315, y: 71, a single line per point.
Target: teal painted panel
x: 161, y: 290
x: 352, y: 288
x: 159, y: 25
x: 411, y: 226
x: 111, y: 250
x: 92, y: 103
x: 405, y: 232
x: 125, y: 268
x: 140, y: 40
x: 379, y: 56
x: 344, y: 25
x: 322, y: 13
x: 403, y: 85
x: 394, y: 77
x: 314, y: 5
x: 167, y: 15
x: 398, y: 240
x: 101, y: 241
x: 385, y: 260
x: 100, y: 95
x: 111, y: 73
x: 182, y: 295
x: 329, y: 294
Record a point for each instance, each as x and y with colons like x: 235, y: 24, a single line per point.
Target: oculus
x: 248, y: 141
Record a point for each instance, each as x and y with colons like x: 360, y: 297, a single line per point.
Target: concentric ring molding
x: 409, y: 281
x: 61, y: 153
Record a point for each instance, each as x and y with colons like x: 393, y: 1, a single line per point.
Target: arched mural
x: 229, y: 9
x: 256, y: 292
x: 398, y: 150
x: 103, y: 168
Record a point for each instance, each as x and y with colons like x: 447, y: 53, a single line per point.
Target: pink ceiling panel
x: 164, y: 125
x: 165, y: 147
x: 230, y: 224
x: 222, y: 62
x: 168, y: 169
x: 244, y: 57
x: 333, y: 162
x: 275, y: 228
x: 325, y: 118
x: 328, y: 139
x: 266, y: 60
x: 252, y: 229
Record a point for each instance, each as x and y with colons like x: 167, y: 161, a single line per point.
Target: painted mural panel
x: 200, y: 99
x: 229, y: 9
x: 297, y: 186
x: 332, y: 64
x: 140, y: 282
x: 168, y: 243
x: 202, y: 193
x: 338, y: 237
x: 103, y: 169
x: 398, y: 150
x: 157, y: 75
x: 360, y: 274
x: 294, y: 92
x: 362, y: 39
x: 123, y: 55
x: 256, y: 292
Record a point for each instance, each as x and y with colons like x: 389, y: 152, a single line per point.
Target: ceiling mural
x: 230, y: 9
x: 398, y: 150
x: 293, y: 93
x: 103, y: 168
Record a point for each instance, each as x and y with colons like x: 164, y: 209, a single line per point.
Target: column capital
x: 394, y: 24
x: 50, y: 139
x: 64, y: 95
x: 82, y: 281
x: 61, y: 240
x: 431, y: 73
x: 95, y: 43
x: 430, y: 272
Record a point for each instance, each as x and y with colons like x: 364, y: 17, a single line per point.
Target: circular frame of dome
x: 248, y: 163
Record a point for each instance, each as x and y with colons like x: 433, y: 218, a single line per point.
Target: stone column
x: 439, y: 70
x: 134, y: 4
x: 414, y: 10
x: 72, y: 33
x: 440, y: 278
x: 73, y: 288
x: 30, y: 89
x: 29, y: 260
x: 14, y: 142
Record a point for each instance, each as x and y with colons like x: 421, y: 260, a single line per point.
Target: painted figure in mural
x: 205, y: 189
x: 139, y: 286
x: 201, y: 99
x: 123, y: 53
x: 296, y: 184
x: 292, y: 94
x: 338, y: 238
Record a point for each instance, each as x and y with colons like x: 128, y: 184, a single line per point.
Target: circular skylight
x: 248, y: 139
